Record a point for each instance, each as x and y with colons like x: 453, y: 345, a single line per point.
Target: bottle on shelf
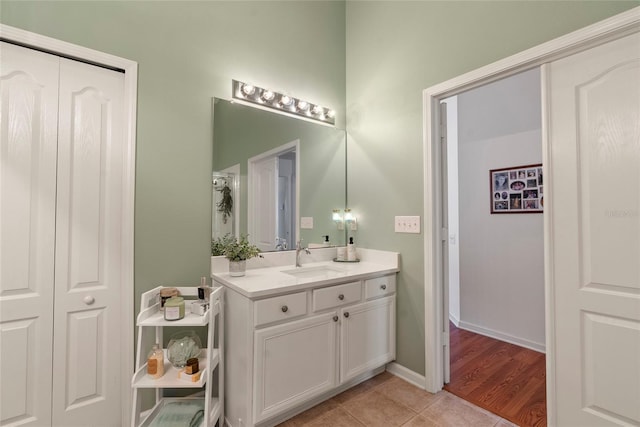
x: 155, y: 362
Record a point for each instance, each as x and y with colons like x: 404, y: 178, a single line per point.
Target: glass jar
x: 165, y: 294
x: 174, y: 308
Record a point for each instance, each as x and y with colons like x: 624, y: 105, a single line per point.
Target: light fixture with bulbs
x: 350, y: 219
x: 287, y: 104
x: 337, y: 218
x: 347, y: 218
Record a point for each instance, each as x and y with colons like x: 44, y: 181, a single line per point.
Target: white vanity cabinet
x: 287, y: 351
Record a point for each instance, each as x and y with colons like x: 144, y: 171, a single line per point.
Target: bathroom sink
x: 316, y: 272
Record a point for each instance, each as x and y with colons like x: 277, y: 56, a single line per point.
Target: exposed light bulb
x: 285, y: 100
x: 268, y: 95
x: 331, y: 113
x: 248, y: 90
x: 303, y: 105
x: 317, y: 109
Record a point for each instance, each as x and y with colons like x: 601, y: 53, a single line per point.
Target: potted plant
x: 237, y: 251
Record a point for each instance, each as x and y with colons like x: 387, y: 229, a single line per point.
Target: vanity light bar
x: 267, y: 98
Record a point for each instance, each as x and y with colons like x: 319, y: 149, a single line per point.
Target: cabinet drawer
x: 379, y: 286
x: 280, y: 308
x: 336, y: 296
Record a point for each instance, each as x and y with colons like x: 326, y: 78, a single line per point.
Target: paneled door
x: 28, y: 150
x: 61, y: 238
x: 594, y: 195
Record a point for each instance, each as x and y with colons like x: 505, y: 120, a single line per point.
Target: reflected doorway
x: 273, y: 196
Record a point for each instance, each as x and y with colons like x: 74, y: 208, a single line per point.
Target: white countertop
x: 270, y: 281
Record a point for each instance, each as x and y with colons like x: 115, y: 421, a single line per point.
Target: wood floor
x: 500, y: 377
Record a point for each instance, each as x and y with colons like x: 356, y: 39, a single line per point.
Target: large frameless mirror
x: 276, y: 178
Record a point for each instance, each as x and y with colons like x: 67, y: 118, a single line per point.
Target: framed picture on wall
x: 517, y: 189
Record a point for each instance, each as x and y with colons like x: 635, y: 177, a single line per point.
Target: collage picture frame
x: 518, y: 189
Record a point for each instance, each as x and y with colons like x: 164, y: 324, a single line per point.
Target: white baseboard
x: 407, y: 374
x: 454, y: 320
x: 502, y: 336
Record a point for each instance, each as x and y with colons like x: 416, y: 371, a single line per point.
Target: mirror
x: 269, y: 166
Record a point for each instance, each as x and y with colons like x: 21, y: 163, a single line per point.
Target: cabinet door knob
x: 340, y: 297
x: 346, y: 314
x: 383, y: 287
x: 88, y: 300
x: 335, y: 318
x: 285, y: 308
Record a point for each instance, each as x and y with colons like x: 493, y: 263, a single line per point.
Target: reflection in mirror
x: 284, y: 169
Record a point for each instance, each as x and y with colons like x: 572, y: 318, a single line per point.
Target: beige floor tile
x: 311, y: 414
x: 407, y: 394
x: 505, y: 423
x: 374, y: 409
x: 450, y: 410
x: 363, y: 387
x: 337, y: 417
x: 420, y: 421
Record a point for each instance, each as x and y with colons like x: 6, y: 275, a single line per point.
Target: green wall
x: 396, y: 49
x: 187, y: 53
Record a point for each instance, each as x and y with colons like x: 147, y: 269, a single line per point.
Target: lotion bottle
x: 351, y: 250
x: 155, y: 362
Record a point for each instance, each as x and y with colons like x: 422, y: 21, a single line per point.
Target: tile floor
x: 388, y: 401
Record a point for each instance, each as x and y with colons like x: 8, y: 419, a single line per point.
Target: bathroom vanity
x: 297, y: 336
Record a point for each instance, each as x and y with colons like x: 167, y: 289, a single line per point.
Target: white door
x: 28, y: 144
x: 367, y: 338
x: 263, y: 202
x: 88, y: 240
x: 62, y: 159
x: 594, y: 198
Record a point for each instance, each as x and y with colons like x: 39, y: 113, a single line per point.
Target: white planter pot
x: 237, y: 268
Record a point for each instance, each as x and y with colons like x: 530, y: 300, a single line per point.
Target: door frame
x: 130, y: 68
x: 601, y: 32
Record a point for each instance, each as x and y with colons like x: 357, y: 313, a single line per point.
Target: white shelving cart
x: 168, y: 409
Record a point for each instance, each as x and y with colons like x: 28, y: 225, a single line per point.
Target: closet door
x: 28, y: 138
x: 86, y: 373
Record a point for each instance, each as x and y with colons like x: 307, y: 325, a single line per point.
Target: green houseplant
x: 237, y: 251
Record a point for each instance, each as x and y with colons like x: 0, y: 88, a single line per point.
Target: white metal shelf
x: 155, y: 412
x: 150, y: 322
x: 155, y: 317
x: 170, y: 378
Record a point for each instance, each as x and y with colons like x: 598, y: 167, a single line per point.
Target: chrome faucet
x: 299, y: 249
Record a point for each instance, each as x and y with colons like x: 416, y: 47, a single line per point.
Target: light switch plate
x: 407, y: 224
x: 306, y: 222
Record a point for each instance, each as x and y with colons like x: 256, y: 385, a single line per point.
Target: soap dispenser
x: 325, y: 242
x: 351, y: 250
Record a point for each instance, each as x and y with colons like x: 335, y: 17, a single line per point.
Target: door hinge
x: 445, y: 339
x: 444, y: 234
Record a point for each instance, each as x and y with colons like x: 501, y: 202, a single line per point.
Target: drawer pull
x: 335, y: 318
x: 346, y: 314
x: 383, y: 287
x: 340, y: 297
x: 285, y: 309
